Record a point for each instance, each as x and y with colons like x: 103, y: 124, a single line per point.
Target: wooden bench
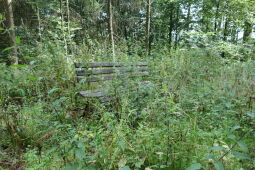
x: 106, y: 71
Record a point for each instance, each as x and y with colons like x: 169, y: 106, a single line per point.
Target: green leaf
x: 72, y: 166
x: 232, y: 137
x: 195, y: 166
x: 251, y: 115
x: 32, y: 78
x: 1, y: 16
x: 235, y: 128
x: 1, y: 28
x: 218, y: 165
x: 217, y: 148
x: 241, y: 155
x: 18, y: 65
x: 140, y: 163
x: 170, y: 101
x: 18, y: 40
x: 53, y: 90
x: 52, y: 150
x: 125, y: 168
x: 7, y: 49
x: 40, y: 78
x: 243, y: 146
x: 80, y: 153
x: 122, y: 145
x: 211, y: 156
x: 27, y: 57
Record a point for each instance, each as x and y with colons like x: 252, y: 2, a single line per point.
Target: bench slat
x: 111, y: 77
x: 108, y: 71
x: 94, y: 93
x: 106, y: 99
x: 107, y: 64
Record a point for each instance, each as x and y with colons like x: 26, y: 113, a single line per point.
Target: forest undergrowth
x: 197, y: 112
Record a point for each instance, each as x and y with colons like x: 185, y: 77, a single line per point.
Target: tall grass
x: 196, y: 112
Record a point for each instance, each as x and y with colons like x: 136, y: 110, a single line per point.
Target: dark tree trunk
x: 225, y: 33
x: 177, y: 27
x: 203, y: 20
x: 188, y: 17
x: 148, y: 27
x: 216, y: 15
x: 247, y: 31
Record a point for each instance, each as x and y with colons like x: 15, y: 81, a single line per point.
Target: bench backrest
x: 104, y: 71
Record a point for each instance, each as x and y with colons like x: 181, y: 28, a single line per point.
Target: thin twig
x: 226, y: 153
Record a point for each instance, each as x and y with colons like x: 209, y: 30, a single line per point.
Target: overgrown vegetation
x: 196, y: 112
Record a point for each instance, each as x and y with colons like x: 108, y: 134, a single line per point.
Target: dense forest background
x: 83, y: 26
x: 197, y: 112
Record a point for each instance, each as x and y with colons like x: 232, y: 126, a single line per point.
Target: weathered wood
x: 96, y: 72
x: 107, y: 64
x: 110, y: 77
x: 94, y: 93
x: 109, y: 71
x: 106, y: 99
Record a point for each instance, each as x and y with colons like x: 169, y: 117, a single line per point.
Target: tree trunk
x: 177, y: 27
x: 68, y: 18
x: 234, y: 33
x: 247, y: 31
x: 69, y: 37
x: 216, y: 15
x: 110, y: 24
x: 12, y: 35
x: 188, y: 17
x: 39, y: 23
x: 171, y: 27
x: 202, y: 22
x: 225, y: 33
x: 148, y: 27
x: 63, y: 25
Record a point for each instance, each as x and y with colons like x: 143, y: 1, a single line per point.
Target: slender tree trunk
x: 234, y: 33
x: 63, y: 25
x: 188, y: 17
x: 202, y: 22
x: 110, y: 24
x: 68, y: 18
x: 39, y: 22
x: 225, y: 33
x: 237, y: 35
x: 69, y: 38
x: 177, y: 27
x: 247, y: 31
x: 126, y: 35
x: 148, y: 27
x: 171, y: 26
x: 12, y: 35
x: 216, y: 15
